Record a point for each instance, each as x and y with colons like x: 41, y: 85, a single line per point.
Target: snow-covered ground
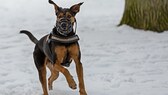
x: 116, y: 60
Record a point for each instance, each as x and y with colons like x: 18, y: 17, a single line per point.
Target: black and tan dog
x: 58, y: 49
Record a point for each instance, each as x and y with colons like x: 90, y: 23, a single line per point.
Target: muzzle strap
x: 75, y: 26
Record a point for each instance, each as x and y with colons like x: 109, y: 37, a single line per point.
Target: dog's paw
x: 82, y: 92
x: 72, y: 84
x: 50, y: 87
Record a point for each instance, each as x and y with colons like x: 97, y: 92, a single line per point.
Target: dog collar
x: 64, y: 40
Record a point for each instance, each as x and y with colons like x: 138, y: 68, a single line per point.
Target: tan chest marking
x: 61, y: 52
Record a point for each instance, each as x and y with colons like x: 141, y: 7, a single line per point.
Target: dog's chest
x: 70, y: 51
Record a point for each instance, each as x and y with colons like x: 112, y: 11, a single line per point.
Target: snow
x: 116, y: 60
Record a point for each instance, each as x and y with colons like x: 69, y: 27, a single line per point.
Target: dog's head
x: 65, y: 17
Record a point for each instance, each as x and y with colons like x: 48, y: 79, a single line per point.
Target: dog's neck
x: 55, y: 36
x: 56, y: 33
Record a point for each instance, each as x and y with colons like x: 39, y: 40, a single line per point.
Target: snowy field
x: 116, y: 60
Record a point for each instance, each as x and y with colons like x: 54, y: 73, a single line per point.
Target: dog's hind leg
x: 54, y: 75
x: 42, y: 77
x: 39, y: 59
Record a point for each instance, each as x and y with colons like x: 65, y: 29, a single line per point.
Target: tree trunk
x: 146, y: 14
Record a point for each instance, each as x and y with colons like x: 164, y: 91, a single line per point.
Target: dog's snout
x: 64, y: 25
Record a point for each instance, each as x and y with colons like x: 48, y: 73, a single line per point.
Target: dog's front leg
x: 54, y: 75
x: 79, y: 70
x: 67, y: 75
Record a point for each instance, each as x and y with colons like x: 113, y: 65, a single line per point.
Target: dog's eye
x: 68, y: 16
x: 60, y: 16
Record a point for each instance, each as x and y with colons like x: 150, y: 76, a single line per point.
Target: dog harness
x: 51, y: 38
x: 65, y: 40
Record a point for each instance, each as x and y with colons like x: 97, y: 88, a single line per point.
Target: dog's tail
x: 30, y: 35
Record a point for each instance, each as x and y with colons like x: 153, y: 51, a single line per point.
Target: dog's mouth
x: 64, y: 26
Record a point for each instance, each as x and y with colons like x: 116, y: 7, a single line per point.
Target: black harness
x: 66, y: 40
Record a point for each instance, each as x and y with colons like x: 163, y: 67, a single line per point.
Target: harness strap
x: 66, y: 40
x: 48, y: 51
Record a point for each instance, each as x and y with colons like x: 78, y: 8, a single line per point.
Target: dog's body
x: 63, y: 53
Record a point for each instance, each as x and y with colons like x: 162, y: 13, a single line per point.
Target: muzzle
x: 64, y: 26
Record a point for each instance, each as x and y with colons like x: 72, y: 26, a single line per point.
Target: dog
x: 57, y: 50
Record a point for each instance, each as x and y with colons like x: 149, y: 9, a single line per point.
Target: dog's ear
x: 76, y: 8
x: 57, y: 8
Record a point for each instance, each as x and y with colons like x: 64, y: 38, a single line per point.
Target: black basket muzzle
x: 64, y: 26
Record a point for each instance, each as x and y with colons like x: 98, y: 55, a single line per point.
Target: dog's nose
x: 64, y: 25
